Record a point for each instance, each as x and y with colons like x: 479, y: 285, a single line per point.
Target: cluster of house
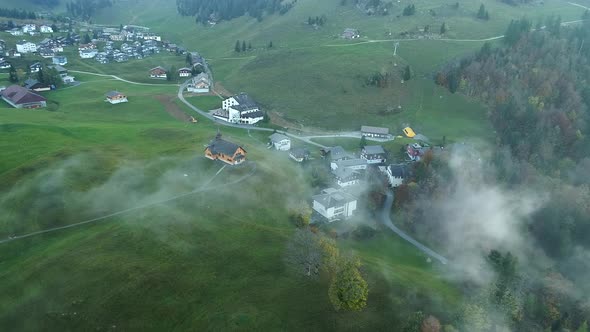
x: 126, y: 51
x: 30, y: 29
x: 347, y: 169
x: 350, y: 33
x: 126, y: 33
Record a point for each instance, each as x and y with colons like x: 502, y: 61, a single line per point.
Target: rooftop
x: 373, y: 149
x: 375, y: 130
x: 276, y: 137
x: 19, y: 95
x: 333, y: 198
x: 219, y: 145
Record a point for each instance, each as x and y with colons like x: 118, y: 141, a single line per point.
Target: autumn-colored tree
x: 348, y: 290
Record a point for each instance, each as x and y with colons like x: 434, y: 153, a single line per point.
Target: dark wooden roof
x: 19, y: 95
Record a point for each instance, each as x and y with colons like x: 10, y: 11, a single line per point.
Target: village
x: 348, y: 169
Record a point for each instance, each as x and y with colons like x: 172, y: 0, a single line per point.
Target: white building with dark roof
x: 334, y: 204
x: 280, y: 142
x: 396, y: 174
x: 346, y: 177
x: 373, y: 154
x: 26, y: 47
x: 356, y: 164
x: 242, y: 109
x: 375, y: 132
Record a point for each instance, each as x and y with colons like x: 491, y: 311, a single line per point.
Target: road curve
x: 385, y: 218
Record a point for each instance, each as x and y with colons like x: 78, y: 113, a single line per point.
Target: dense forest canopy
x: 218, y: 10
x: 48, y: 3
x: 17, y: 13
x: 84, y: 9
x: 538, y: 92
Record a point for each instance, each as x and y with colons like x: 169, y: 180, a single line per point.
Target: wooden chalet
x: 228, y: 152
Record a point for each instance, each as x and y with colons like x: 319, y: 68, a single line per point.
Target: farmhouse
x: 350, y: 34
x: 375, y: 132
x: 46, y: 29
x: 20, y: 97
x: 228, y: 152
x: 338, y: 153
x: 15, y: 32
x: 346, y: 176
x: 373, y: 154
x: 28, y: 28
x: 47, y: 53
x: 241, y: 109
x: 280, y: 142
x: 299, y: 154
x: 26, y: 47
x: 88, y: 53
x: 354, y: 164
x: 116, y: 97
x: 34, y: 68
x: 334, y: 204
x: 185, y: 72
x: 199, y: 84
x: 59, y: 60
x: 34, y: 85
x: 395, y: 174
x: 158, y: 72
x: 416, y: 151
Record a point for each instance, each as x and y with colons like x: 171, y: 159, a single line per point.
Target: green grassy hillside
x: 205, y: 261
x: 308, y: 80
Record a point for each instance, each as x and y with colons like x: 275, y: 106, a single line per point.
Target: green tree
x: 443, y: 28
x: 270, y: 44
x: 481, y: 13
x: 171, y: 74
x: 363, y: 142
x: 237, y: 47
x: 249, y: 46
x: 243, y: 46
x: 12, y: 76
x: 40, y: 76
x: 348, y: 290
x: 583, y: 327
x: 407, y: 73
x: 87, y: 39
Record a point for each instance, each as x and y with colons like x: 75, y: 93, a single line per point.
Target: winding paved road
x: 385, y: 218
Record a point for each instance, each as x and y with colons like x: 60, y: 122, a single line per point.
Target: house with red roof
x: 20, y: 97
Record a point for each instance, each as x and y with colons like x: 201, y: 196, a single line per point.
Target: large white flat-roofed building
x: 334, y: 204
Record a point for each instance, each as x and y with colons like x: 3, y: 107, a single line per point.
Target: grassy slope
x: 189, y: 264
x: 315, y: 85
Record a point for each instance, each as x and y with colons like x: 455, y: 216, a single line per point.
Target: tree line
x: 84, y: 9
x: 538, y: 95
x: 225, y: 10
x: 20, y: 14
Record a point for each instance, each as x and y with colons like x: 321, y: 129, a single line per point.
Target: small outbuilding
x: 116, y: 97
x: 280, y: 142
